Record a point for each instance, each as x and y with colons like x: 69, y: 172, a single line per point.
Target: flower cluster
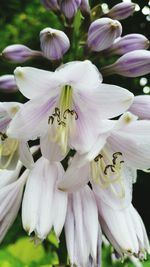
x: 101, y: 131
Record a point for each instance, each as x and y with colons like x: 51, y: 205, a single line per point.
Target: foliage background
x: 21, y: 22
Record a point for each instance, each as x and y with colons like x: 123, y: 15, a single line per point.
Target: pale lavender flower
x: 122, y: 149
x: 121, y: 11
x: 133, y: 64
x: 141, y: 107
x: 11, y: 191
x: 85, y: 7
x: 102, y: 33
x: 54, y: 43
x: 11, y: 149
x: 50, y: 4
x: 128, y: 43
x: 69, y: 7
x: 124, y: 229
x: 64, y: 103
x: 82, y: 228
x: 44, y: 205
x: 18, y: 53
x: 8, y: 83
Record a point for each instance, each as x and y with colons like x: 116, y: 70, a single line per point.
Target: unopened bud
x: 102, y: 33
x: 141, y: 107
x: 8, y: 83
x: 19, y: 53
x: 128, y: 43
x: 50, y: 4
x: 54, y: 43
x: 132, y: 64
x: 69, y: 7
x: 122, y: 11
x: 85, y: 7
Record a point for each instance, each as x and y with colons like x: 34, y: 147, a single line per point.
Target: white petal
x: 90, y: 215
x: 38, y: 196
x: 32, y: 119
x: 75, y: 177
x: 25, y: 155
x: 34, y: 82
x: 81, y: 75
x: 60, y: 205
x: 50, y: 150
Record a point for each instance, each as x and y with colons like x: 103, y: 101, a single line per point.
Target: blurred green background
x: 20, y: 23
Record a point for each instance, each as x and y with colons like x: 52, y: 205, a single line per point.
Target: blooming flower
x: 66, y: 103
x: 81, y: 227
x: 125, y: 145
x: 44, y: 205
x: 11, y: 149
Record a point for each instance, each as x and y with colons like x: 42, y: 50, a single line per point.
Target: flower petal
x: 25, y: 155
x: 32, y: 119
x: 34, y: 82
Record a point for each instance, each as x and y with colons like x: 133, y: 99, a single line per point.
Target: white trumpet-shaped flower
x: 125, y: 146
x: 82, y: 228
x: 11, y: 191
x: 68, y: 104
x: 11, y: 149
x: 44, y: 205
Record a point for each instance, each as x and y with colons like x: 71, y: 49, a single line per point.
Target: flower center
x: 106, y: 170
x: 62, y: 121
x: 8, y: 148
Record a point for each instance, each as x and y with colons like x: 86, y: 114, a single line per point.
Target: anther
x: 98, y: 157
x: 109, y: 167
x: 50, y: 119
x: 3, y: 136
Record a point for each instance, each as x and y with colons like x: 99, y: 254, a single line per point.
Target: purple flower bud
x: 102, y: 33
x: 132, y: 64
x: 8, y: 83
x: 129, y: 43
x: 54, y: 43
x: 50, y: 4
x: 141, y: 107
x: 85, y: 7
x: 69, y: 7
x: 122, y: 11
x: 19, y: 53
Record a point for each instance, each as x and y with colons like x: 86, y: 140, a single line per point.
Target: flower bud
x: 8, y: 83
x: 85, y: 7
x: 141, y: 107
x: 133, y: 64
x: 128, y: 43
x: 69, y: 7
x: 19, y: 53
x: 50, y: 4
x: 54, y: 43
x: 122, y: 11
x: 102, y: 33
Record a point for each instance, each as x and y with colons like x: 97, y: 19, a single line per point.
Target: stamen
x: 107, y: 174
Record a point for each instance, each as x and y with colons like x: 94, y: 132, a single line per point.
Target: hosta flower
x: 69, y: 7
x: 20, y: 53
x: 124, y: 145
x: 11, y: 191
x: 81, y: 228
x: 54, y: 43
x: 44, y: 205
x: 85, y: 7
x: 8, y: 83
x: 102, y: 33
x: 141, y: 107
x: 121, y: 10
x: 124, y: 229
x: 11, y: 149
x: 68, y: 104
x: 132, y: 64
x: 50, y: 4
